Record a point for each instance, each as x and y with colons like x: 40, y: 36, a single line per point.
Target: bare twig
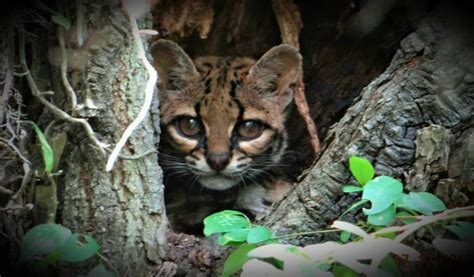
x: 55, y: 110
x: 136, y: 156
x: 79, y: 22
x: 67, y: 86
x: 303, y: 109
x: 290, y: 24
x: 149, y: 91
x: 26, y: 179
x: 17, y: 151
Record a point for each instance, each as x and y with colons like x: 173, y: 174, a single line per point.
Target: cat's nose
x: 218, y: 161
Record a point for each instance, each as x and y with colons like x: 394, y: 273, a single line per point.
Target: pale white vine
x: 149, y: 90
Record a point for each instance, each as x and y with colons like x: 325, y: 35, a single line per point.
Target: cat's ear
x: 174, y: 66
x: 275, y: 72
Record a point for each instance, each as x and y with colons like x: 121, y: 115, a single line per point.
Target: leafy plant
x: 366, y: 249
x: 46, y: 149
x: 386, y: 195
x: 48, y: 244
x: 235, y: 228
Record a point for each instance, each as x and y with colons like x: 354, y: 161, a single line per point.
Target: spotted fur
x: 222, y: 100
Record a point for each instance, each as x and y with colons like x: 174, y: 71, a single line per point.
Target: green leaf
x: 362, y: 169
x: 53, y: 257
x: 225, y: 221
x: 389, y: 235
x: 389, y: 265
x: 382, y: 191
x: 237, y: 259
x: 43, y: 239
x: 353, y: 206
x: 258, y: 234
x: 423, y: 202
x: 344, y: 236
x: 48, y: 155
x: 234, y: 236
x: 61, y: 20
x: 101, y: 271
x: 463, y: 230
x: 406, y: 221
x: 343, y: 271
x: 76, y: 251
x: 349, y: 189
x: 383, y: 218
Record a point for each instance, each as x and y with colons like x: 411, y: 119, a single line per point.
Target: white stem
x: 149, y: 90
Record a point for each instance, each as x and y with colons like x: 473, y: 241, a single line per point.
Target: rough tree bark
x: 414, y: 122
x: 122, y: 209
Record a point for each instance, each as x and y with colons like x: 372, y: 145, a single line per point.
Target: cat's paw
x: 252, y: 199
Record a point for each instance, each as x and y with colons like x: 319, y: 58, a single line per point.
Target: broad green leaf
x: 423, y: 202
x: 53, y: 257
x: 237, y: 259
x: 343, y: 271
x: 76, y: 251
x: 382, y: 192
x: 43, y: 239
x: 349, y: 189
x: 61, y: 20
x: 362, y: 170
x: 389, y: 265
x: 383, y: 218
x: 258, y: 234
x: 225, y: 221
x: 464, y: 230
x: 353, y: 206
x: 101, y: 271
x: 234, y: 236
x: 47, y: 151
x: 406, y: 221
x: 344, y: 236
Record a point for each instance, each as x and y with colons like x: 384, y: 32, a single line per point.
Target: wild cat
x: 223, y: 130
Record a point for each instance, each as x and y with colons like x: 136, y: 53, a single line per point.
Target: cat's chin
x: 218, y: 182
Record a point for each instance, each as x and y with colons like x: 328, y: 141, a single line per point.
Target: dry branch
x: 289, y: 21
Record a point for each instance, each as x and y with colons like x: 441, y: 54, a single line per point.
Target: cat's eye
x: 249, y: 129
x: 188, y: 126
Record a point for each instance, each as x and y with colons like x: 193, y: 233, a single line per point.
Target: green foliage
x: 344, y: 236
x: 259, y: 234
x: 237, y: 259
x: 75, y: 251
x: 47, y: 244
x: 463, y: 230
x: 43, y: 239
x: 382, y: 192
x: 386, y: 196
x: 362, y: 170
x: 62, y: 21
x: 343, y: 271
x: 225, y: 221
x: 235, y: 228
x: 259, y: 253
x: 47, y: 151
x: 389, y: 265
x: 423, y: 202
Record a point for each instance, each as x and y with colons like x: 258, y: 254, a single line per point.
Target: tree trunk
x: 124, y: 208
x: 414, y: 122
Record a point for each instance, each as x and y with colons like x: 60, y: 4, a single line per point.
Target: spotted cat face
x: 223, y: 118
